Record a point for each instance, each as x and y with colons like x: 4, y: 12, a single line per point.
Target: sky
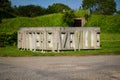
x: 74, y: 4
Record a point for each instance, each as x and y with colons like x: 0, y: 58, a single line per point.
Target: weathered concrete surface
x: 58, y: 38
x: 60, y: 68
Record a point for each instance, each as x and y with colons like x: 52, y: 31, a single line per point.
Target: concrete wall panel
x: 59, y: 38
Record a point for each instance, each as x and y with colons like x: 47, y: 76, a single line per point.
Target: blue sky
x: 74, y: 4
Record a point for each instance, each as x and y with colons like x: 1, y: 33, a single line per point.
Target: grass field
x: 110, y: 45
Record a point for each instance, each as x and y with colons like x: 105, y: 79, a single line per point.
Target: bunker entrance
x: 78, y: 23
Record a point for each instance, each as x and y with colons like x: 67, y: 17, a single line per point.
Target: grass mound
x: 108, y: 24
x: 12, y: 25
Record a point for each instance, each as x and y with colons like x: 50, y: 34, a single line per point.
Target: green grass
x: 110, y: 43
x: 51, y: 20
x: 107, y: 23
x: 81, y: 13
x: 12, y: 25
x: 110, y: 46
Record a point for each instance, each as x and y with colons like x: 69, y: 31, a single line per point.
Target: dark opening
x: 38, y: 33
x: 78, y: 23
x: 98, y: 32
x: 63, y: 32
x: 30, y: 32
x: 50, y: 33
x: 71, y: 32
x: 37, y: 41
x: 49, y: 41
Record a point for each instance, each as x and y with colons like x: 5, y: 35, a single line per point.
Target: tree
x: 57, y: 7
x: 30, y: 11
x: 118, y: 12
x: 106, y: 7
x: 68, y: 18
x: 5, y: 5
x: 6, y: 11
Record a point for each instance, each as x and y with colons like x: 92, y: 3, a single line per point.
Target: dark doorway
x: 77, y: 23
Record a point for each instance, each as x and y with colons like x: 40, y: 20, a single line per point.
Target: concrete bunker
x: 59, y: 38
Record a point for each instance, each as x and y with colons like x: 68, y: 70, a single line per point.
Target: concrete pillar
x: 27, y: 40
x: 31, y: 40
x: 92, y: 39
x: 42, y: 41
x: 19, y: 39
x: 79, y: 40
x: 23, y: 40
x: 38, y: 40
x: 57, y: 40
x: 34, y: 41
x: 85, y: 39
x: 98, y: 39
x: 53, y: 41
x: 89, y: 39
x: 45, y: 40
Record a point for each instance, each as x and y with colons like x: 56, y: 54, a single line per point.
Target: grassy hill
x: 52, y: 20
x: 108, y: 24
x: 13, y: 24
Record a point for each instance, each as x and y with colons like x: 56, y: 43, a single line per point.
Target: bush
x: 68, y: 18
x: 8, y: 39
x: 30, y: 11
x: 57, y: 8
x: 4, y: 14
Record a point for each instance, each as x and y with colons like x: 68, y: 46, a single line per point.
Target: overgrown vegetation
x: 108, y: 24
x: 29, y: 10
x: 106, y: 7
x: 4, y: 14
x: 62, y: 17
x: 68, y: 18
x: 12, y: 25
x: 57, y: 8
x: 8, y: 39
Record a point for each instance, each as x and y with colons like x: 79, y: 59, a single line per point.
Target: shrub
x: 8, y: 39
x: 68, y: 18
x: 4, y: 14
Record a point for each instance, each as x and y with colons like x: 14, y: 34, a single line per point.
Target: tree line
x: 106, y: 7
x: 7, y: 10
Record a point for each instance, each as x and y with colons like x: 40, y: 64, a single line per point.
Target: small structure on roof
x: 58, y: 38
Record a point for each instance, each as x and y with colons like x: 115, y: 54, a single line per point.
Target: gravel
x: 60, y: 68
